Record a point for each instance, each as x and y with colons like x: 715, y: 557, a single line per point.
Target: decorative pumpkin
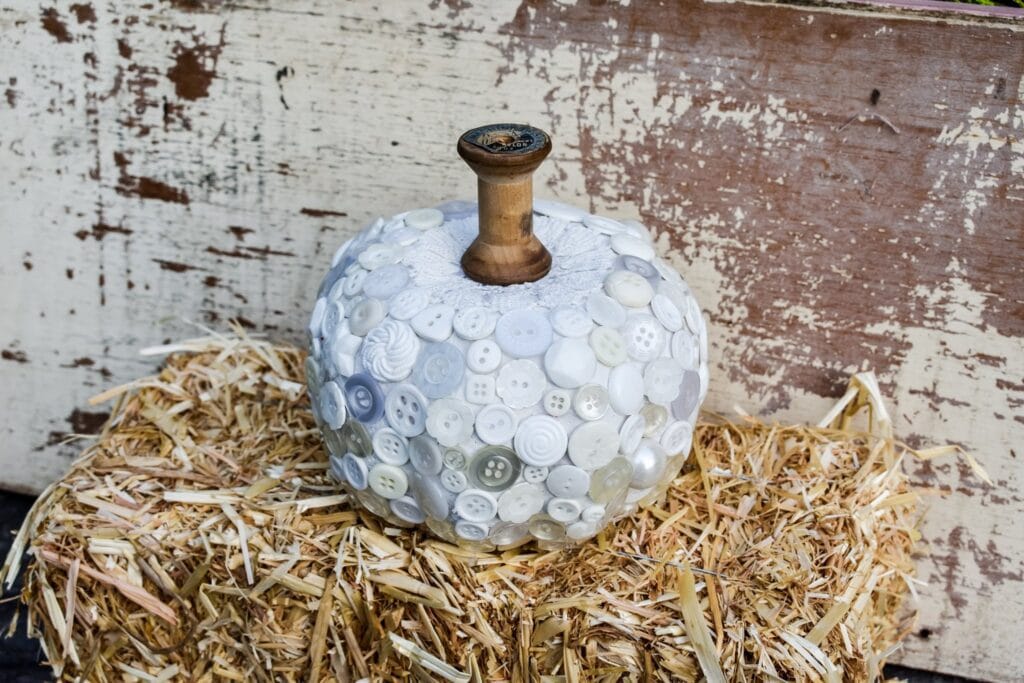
x: 506, y: 370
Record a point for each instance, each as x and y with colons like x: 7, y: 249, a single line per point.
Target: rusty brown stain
x: 124, y: 49
x: 14, y: 355
x: 174, y: 266
x: 11, y: 95
x: 84, y: 13
x: 211, y: 281
x: 85, y: 422
x: 239, y: 232
x: 100, y: 230
x: 321, y: 213
x: 195, y: 68
x: 82, y: 362
x: 146, y: 188
x: 55, y: 26
x: 258, y: 253
x: 70, y: 273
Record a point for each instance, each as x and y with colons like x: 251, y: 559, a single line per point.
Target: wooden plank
x: 166, y: 161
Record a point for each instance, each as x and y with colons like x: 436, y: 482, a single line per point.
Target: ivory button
x: 609, y: 346
x: 388, y: 481
x: 628, y: 288
x: 570, y: 363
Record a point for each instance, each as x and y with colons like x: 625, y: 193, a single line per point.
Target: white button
x: 406, y: 410
x: 631, y: 432
x: 540, y: 440
x: 334, y: 322
x: 455, y: 459
x: 605, y: 226
x: 316, y: 320
x: 593, y: 445
x: 520, y: 502
x: 439, y: 369
x: 648, y: 465
x: 390, y: 446
x: 476, y: 505
x: 609, y: 346
x: 430, y: 495
x: 645, y: 337
x: 570, y: 363
x: 339, y: 254
x: 471, y: 531
x: 425, y: 455
x: 521, y: 383
x: 534, y: 474
x: 450, y: 421
x: 611, y: 480
x: 581, y: 530
x: 571, y: 321
x: 626, y: 389
x: 483, y: 356
x: 546, y: 529
x: 385, y: 282
x: 355, y: 471
x: 692, y: 315
x: 332, y: 405
x: 686, y: 349
x: 676, y: 439
x: 434, y: 323
x: 424, y: 219
x: 507, y: 533
x: 408, y: 510
x: 336, y: 468
x: 689, y: 396
x: 494, y: 468
x: 454, y: 480
x: 666, y: 271
x: 662, y: 377
x: 655, y: 416
x: 591, y: 402
x: 475, y: 322
x: 390, y: 350
x: 388, y: 481
x: 496, y: 424
x: 343, y: 353
x: 605, y: 310
x: 557, y: 402
x: 523, y: 332
x: 628, y: 288
x: 564, y: 510
x: 593, y: 514
x: 639, y: 266
x: 480, y: 389
x: 365, y: 315
x: 628, y: 245
x: 454, y: 209
x: 377, y: 256
x: 637, y: 229
x: 568, y: 481
x: 354, y: 282
x: 408, y: 303
x: 666, y: 312
x: 558, y: 210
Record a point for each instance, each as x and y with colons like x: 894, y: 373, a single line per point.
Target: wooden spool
x: 504, y: 157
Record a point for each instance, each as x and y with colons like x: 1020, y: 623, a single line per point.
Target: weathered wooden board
x: 167, y: 161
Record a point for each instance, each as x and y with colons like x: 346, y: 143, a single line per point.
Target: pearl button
x: 365, y: 316
x: 520, y: 502
x: 385, y: 282
x: 475, y: 322
x: 645, y: 338
x: 494, y: 468
x: 563, y: 510
x: 570, y: 363
x: 364, y: 397
x: 424, y: 219
x: 557, y: 402
x: 425, y: 455
x: 648, y: 464
x: 521, y: 384
x: 568, y: 481
x: 406, y: 410
x: 609, y: 346
x: 449, y: 421
x: 483, y: 356
x: 666, y: 312
x: 593, y: 445
x: 496, y: 424
x: 676, y: 438
x: 332, y: 405
x: 591, y: 402
x: 611, y: 480
x: 540, y: 440
x: 570, y: 321
x: 355, y: 471
x: 475, y: 505
x: 390, y: 446
x: 605, y: 310
x: 523, y: 332
x: 631, y: 432
x: 480, y: 389
x: 388, y: 481
x: 662, y: 378
x: 434, y: 323
x: 390, y: 351
x: 439, y: 369
x: 408, y: 510
x: 628, y: 288
x: 408, y: 303
x: 626, y: 389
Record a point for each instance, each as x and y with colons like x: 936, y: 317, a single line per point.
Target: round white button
x: 609, y: 346
x: 507, y: 533
x: 570, y: 363
x: 631, y: 432
x: 496, y: 424
x: 689, y: 396
x: 578, y: 531
x: 570, y: 321
x: 563, y: 510
x: 354, y: 282
x: 385, y: 282
x: 408, y: 510
x: 523, y: 332
x: 365, y: 316
x: 605, y: 310
x: 666, y: 312
x: 626, y: 389
x: 591, y: 402
x: 390, y: 351
x: 520, y: 502
x: 534, y: 474
x: 430, y: 495
x: 455, y: 459
x: 388, y: 481
x: 408, y: 303
x: 471, y: 531
x: 638, y: 266
x: 355, y: 471
x: 628, y: 245
x: 424, y: 219
x: 568, y: 481
x: 434, y: 323
x: 610, y: 480
x: 406, y: 410
x: 390, y: 446
x: 676, y: 438
x: 377, y: 256
x: 605, y: 226
x: 662, y: 378
x: 454, y: 480
x: 593, y: 514
x: 655, y: 416
x: 557, y: 402
x: 439, y: 369
x: 521, y: 383
x: 546, y: 529
x: 540, y: 440
x: 425, y: 455
x: 648, y: 465
x: 593, y: 445
x: 558, y: 210
x: 450, y: 421
x: 645, y: 337
x: 475, y: 322
x: 476, y: 505
x: 686, y: 349
x: 483, y: 356
x: 494, y: 468
x: 628, y: 288
x: 332, y: 405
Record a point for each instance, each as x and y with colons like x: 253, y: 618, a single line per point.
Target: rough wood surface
x: 843, y: 187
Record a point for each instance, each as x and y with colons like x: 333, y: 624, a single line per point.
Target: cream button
x: 377, y: 256
x: 631, y: 432
x: 390, y: 350
x: 666, y: 312
x: 388, y: 481
x: 648, y: 465
x: 483, y: 356
x: 476, y: 505
x: 605, y: 310
x: 470, y: 531
x: 591, y: 402
x: 365, y: 315
x: 523, y: 332
x: 611, y: 480
x: 534, y: 474
x: 655, y: 416
x: 626, y: 389
x: 563, y: 510
x: 686, y: 349
x: 628, y: 288
x: 450, y: 421
x: 570, y: 321
x: 676, y: 438
x: 521, y: 384
x: 454, y: 480
x: 408, y: 303
x: 434, y: 323
x: 390, y: 446
x: 540, y: 440
x: 557, y: 402
x: 593, y: 445
x: 628, y: 245
x: 480, y: 389
x: 545, y: 528
x: 662, y: 377
x: 385, y: 282
x: 496, y: 424
x: 609, y: 346
x: 406, y: 410
x: 494, y: 468
x: 425, y: 455
x: 568, y: 481
x: 408, y: 510
x: 355, y: 471
x: 475, y: 322
x: 332, y: 405
x: 424, y: 219
x: 520, y: 502
x: 645, y: 338
x: 570, y: 363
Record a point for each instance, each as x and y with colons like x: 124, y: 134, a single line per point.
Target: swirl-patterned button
x: 390, y: 351
x: 540, y: 440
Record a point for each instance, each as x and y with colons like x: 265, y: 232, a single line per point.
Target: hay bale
x: 200, y: 538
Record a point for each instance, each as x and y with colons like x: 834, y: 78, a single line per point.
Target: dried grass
x: 201, y: 539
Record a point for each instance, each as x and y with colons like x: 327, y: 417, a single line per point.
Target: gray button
x: 406, y: 410
x: 386, y: 281
x: 430, y: 495
x: 438, y: 369
x: 494, y: 468
x: 425, y: 454
x: 355, y: 439
x: 364, y: 398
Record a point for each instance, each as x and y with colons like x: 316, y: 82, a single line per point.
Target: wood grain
x: 842, y: 186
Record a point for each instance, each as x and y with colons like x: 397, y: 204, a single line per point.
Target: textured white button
x: 593, y: 445
x: 520, y: 502
x: 546, y: 529
x: 655, y: 416
x: 455, y: 459
x: 494, y: 468
x: 570, y: 363
x: 388, y: 481
x: 521, y: 383
x: 434, y: 323
x: 454, y: 480
x: 534, y: 474
x: 648, y: 464
x: 609, y: 346
x: 439, y: 369
x: 385, y: 282
x: 568, y: 481
x: 626, y: 389
x: 377, y: 256
x: 430, y: 495
x: 540, y: 440
x: 686, y: 349
x: 496, y: 424
x: 557, y: 402
x: 480, y: 389
x: 558, y: 210
x: 662, y: 377
x: 578, y: 531
x: 591, y: 402
x: 408, y: 510
x: 390, y: 350
x: 605, y: 310
x: 593, y: 513
x: 523, y: 332
x: 563, y: 510
x: 332, y: 405
x: 424, y: 219
x: 689, y: 396
x: 571, y: 321
x: 611, y: 480
x: 355, y: 471
x: 676, y: 438
x: 471, y: 531
x: 476, y: 505
x: 406, y: 410
x: 628, y: 288
x: 628, y: 245
x: 354, y: 282
x: 645, y: 338
x: 425, y: 455
x: 365, y: 315
x: 631, y: 432
x: 666, y: 312
x: 508, y: 533
x: 450, y: 421
x: 605, y: 226
x: 408, y: 303
x: 475, y: 322
x: 390, y: 446
x: 483, y: 356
